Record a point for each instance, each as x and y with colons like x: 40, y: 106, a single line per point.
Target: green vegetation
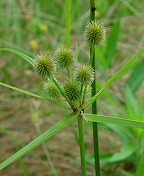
x: 88, y: 69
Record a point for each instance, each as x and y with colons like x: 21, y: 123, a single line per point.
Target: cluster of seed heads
x: 78, y: 83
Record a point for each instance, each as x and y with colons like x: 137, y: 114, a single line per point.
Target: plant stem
x: 61, y: 90
x: 68, y: 22
x: 81, y: 94
x: 81, y: 143
x: 94, y: 105
x: 84, y: 94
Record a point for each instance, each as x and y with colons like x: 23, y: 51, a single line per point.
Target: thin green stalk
x: 47, y: 153
x: 94, y: 105
x: 24, y: 167
x: 84, y: 94
x: 61, y: 90
x: 81, y: 93
x: 68, y: 22
x: 82, y: 146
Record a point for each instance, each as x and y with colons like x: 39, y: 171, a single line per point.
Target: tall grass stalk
x: 94, y: 105
x: 68, y: 22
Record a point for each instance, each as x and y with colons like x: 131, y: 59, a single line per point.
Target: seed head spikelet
x: 72, y: 89
x: 95, y: 33
x: 64, y: 57
x: 84, y: 74
x: 51, y: 89
x: 45, y: 65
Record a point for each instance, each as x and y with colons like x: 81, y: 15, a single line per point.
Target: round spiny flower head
x: 72, y: 89
x: 84, y: 74
x: 64, y: 57
x: 95, y: 33
x: 51, y: 89
x: 44, y: 65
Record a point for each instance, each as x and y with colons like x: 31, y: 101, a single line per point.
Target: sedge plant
x: 74, y: 91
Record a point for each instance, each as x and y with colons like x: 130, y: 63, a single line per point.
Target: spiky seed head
x: 64, y: 57
x: 84, y: 74
x: 72, y: 89
x: 51, y: 89
x: 44, y: 65
x: 95, y: 33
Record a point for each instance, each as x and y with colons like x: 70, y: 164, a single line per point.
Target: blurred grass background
x: 34, y: 26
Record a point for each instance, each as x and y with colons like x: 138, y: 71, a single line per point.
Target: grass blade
x: 21, y: 90
x: 136, y: 78
x: 33, y: 95
x: 126, y: 152
x: 140, y: 166
x: 112, y: 43
x: 18, y: 144
x: 39, y: 140
x: 24, y: 56
x: 114, y: 78
x: 132, y: 105
x: 114, y: 120
x: 24, y: 167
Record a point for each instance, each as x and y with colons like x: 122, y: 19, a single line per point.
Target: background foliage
x: 35, y: 26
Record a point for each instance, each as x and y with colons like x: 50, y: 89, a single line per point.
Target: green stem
x: 94, y: 105
x: 81, y: 94
x: 68, y: 22
x: 61, y: 90
x: 84, y: 94
x: 24, y: 168
x: 82, y: 146
x: 47, y: 153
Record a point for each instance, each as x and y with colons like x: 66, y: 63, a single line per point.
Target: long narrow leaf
x: 112, y: 43
x: 114, y: 120
x: 18, y: 144
x: 140, y: 166
x: 39, y: 140
x: 33, y: 95
x: 24, y: 56
x: 136, y: 78
x: 113, y: 78
x: 21, y: 90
